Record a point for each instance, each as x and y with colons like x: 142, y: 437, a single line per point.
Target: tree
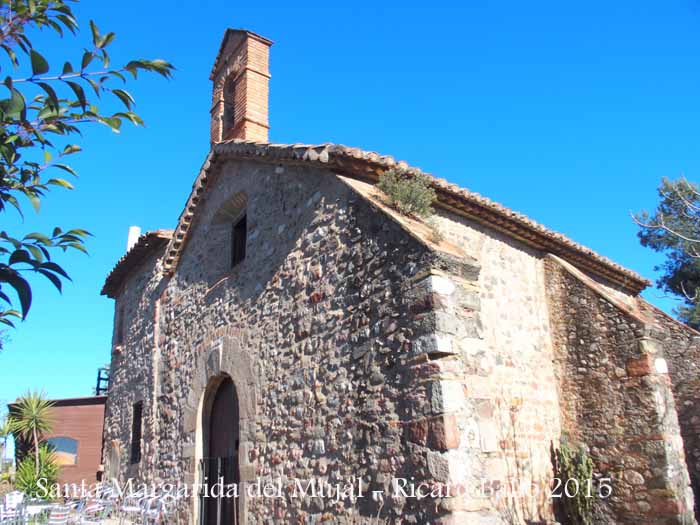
x: 31, y: 419
x: 674, y: 229
x: 39, y: 115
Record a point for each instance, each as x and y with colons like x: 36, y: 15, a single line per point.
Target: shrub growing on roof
x: 409, y: 194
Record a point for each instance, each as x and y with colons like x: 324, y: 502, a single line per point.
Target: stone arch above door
x: 218, y: 357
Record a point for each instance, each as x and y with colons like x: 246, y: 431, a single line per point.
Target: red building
x: 76, y: 437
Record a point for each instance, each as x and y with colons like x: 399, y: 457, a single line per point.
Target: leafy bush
x: 26, y: 479
x: 409, y: 194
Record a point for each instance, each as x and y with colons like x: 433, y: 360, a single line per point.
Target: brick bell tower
x: 241, y: 77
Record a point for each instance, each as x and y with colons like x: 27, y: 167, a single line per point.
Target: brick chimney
x: 241, y: 77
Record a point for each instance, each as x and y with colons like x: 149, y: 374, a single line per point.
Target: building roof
x: 228, y: 34
x: 367, y: 166
x: 70, y: 401
x: 145, y: 245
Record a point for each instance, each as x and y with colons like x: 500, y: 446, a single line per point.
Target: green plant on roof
x: 409, y: 194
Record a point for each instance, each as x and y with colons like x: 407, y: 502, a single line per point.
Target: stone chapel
x: 293, y: 328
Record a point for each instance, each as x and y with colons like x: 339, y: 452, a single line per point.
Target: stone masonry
x: 369, y: 347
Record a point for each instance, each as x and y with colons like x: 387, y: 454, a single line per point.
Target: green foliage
x: 40, y: 113
x: 674, y: 230
x: 29, y: 481
x: 575, y: 464
x: 32, y: 414
x: 409, y: 194
x: 5, y: 428
x: 31, y: 420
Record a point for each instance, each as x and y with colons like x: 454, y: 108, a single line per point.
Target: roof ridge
x: 369, y: 164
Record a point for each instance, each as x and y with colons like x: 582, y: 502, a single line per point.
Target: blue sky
x: 568, y: 112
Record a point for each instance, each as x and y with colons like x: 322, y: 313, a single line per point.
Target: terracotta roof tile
x: 367, y: 165
x: 146, y: 244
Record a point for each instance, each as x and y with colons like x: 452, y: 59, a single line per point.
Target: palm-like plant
x: 26, y: 479
x: 31, y: 419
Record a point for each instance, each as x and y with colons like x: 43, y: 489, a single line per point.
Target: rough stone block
x: 441, y: 285
x: 439, y: 466
x: 444, y: 433
x: 447, y: 396
x: 418, y: 431
x: 640, y: 367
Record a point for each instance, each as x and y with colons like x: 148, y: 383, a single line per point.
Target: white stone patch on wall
x: 441, y: 285
x: 448, y: 396
x: 428, y: 344
x: 660, y: 365
x: 443, y: 343
x: 461, y: 465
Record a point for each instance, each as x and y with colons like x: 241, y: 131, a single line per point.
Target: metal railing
x: 217, y: 476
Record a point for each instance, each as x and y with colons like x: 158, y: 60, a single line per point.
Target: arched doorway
x: 219, y: 464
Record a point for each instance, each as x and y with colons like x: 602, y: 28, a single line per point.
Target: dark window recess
x: 229, y: 116
x: 120, y: 326
x: 238, y: 240
x: 136, y: 425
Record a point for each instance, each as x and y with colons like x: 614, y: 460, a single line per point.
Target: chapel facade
x: 293, y: 328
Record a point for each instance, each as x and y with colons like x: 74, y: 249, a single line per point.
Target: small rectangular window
x: 238, y: 241
x: 119, y: 329
x: 136, y: 426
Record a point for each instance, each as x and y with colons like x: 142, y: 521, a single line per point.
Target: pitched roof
x: 146, y: 244
x: 367, y: 165
x: 228, y: 34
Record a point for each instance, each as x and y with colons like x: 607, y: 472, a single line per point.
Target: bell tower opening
x: 228, y: 120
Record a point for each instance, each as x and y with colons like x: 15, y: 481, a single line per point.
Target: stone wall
x: 681, y: 346
x: 360, y: 349
x: 616, y: 401
x: 132, y: 373
x: 329, y: 331
x: 510, y: 413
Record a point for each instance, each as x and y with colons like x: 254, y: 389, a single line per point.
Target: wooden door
x: 221, y: 457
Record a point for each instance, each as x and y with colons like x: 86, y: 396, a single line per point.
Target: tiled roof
x: 146, y: 244
x: 367, y: 165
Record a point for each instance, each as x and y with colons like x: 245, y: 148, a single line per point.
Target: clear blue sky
x: 568, y: 113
